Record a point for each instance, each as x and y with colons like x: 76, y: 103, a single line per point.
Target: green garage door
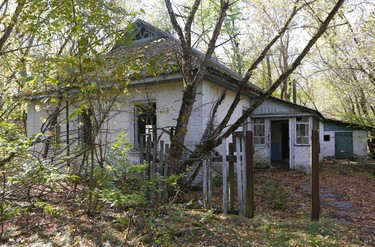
x: 343, y: 144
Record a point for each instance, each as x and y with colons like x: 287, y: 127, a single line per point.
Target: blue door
x: 343, y: 144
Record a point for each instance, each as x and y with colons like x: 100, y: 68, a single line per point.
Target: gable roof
x: 151, y: 43
x: 303, y: 108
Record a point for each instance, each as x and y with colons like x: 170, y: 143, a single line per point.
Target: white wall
x: 302, y: 157
x: 121, y: 117
x: 168, y: 98
x: 321, y: 141
x: 328, y: 147
x: 210, y: 94
x: 359, y: 144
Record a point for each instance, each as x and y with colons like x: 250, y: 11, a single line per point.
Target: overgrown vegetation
x: 59, y: 217
x: 56, y: 189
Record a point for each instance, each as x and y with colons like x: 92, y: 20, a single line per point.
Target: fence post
x: 231, y: 178
x: 249, y: 189
x: 165, y: 174
x: 239, y: 173
x: 206, y: 184
x: 225, y: 174
x: 315, y: 201
x: 160, y: 167
x: 148, y: 151
x: 154, y: 157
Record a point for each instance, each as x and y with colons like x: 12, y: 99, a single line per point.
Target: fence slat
x: 209, y: 172
x: 239, y: 172
x: 205, y: 189
x: 225, y: 175
x: 243, y: 175
x: 249, y: 175
x: 160, y: 167
x: 231, y: 179
x: 154, y: 157
x: 165, y: 174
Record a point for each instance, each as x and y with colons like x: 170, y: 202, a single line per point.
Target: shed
x: 342, y: 140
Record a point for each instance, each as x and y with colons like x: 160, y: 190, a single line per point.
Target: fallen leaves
x: 347, y: 216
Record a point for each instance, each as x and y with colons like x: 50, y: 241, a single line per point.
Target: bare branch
x: 215, y: 141
x: 249, y: 72
x: 176, y: 26
x: 283, y: 76
x: 13, y: 22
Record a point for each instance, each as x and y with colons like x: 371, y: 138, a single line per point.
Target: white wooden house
x: 281, y: 129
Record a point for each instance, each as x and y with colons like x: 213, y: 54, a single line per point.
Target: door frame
x: 291, y: 140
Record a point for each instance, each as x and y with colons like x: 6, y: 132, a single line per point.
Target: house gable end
x: 271, y: 107
x: 142, y: 32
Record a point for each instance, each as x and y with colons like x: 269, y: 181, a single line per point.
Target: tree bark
x: 191, y: 81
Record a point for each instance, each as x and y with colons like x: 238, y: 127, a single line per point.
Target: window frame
x: 303, y: 139
x: 259, y: 139
x: 137, y: 114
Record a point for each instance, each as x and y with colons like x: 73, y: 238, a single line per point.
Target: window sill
x: 302, y: 145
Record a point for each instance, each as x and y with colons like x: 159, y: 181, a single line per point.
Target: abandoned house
x: 152, y: 100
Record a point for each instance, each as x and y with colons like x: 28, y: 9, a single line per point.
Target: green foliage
x: 47, y: 208
x: 9, y: 211
x: 361, y: 169
x: 119, y: 182
x: 11, y: 140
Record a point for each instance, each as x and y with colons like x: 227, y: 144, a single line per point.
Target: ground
x: 282, y: 216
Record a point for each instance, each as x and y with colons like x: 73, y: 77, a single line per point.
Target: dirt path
x: 348, y: 194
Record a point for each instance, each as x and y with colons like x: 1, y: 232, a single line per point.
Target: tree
x: 343, y: 69
x: 54, y: 46
x: 192, y: 80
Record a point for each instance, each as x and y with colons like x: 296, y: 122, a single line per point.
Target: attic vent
x: 143, y: 33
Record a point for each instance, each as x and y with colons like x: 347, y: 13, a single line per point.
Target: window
x: 302, y: 130
x: 259, y: 131
x: 145, y: 122
x: 327, y: 138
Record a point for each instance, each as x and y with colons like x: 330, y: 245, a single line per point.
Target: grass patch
x: 365, y: 170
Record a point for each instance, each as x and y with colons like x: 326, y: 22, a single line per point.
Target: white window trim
x: 264, y: 131
x: 308, y: 122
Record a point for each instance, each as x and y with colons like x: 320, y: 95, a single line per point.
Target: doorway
x: 343, y: 145
x: 280, y: 150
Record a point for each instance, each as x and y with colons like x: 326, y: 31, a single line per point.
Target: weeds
x: 275, y: 195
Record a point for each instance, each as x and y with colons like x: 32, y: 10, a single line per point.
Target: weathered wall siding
x: 360, y: 143
x: 273, y: 107
x: 115, y: 124
x: 261, y: 155
x: 292, y: 141
x: 210, y: 94
x: 195, y: 126
x: 302, y: 158
x: 321, y: 141
x: 168, y: 101
x: 121, y: 117
x: 35, y: 113
x: 328, y: 147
